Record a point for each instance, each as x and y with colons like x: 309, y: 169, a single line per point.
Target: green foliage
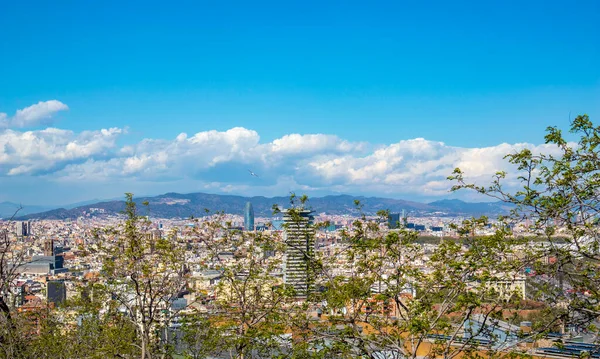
x: 559, y: 194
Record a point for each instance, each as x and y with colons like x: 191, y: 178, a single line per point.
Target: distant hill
x: 471, y: 208
x: 176, y: 205
x: 8, y: 209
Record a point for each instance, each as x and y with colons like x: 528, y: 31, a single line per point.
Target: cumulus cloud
x: 310, y: 144
x: 218, y: 160
x: 418, y: 166
x: 49, y: 150
x: 38, y: 114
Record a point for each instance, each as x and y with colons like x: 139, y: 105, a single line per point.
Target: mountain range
x: 10, y: 209
x: 176, y: 205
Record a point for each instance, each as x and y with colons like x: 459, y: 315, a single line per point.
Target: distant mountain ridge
x: 458, y: 206
x: 9, y: 209
x: 176, y: 205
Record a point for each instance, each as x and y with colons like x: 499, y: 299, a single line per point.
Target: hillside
x: 473, y: 208
x: 176, y: 205
x: 8, y: 209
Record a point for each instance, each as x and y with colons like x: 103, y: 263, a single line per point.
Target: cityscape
x: 300, y: 180
x: 54, y: 259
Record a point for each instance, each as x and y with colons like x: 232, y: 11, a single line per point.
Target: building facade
x: 49, y: 247
x: 249, y: 217
x: 299, y: 237
x: 394, y: 220
x: 23, y: 228
x: 56, y: 292
x: 4, y: 242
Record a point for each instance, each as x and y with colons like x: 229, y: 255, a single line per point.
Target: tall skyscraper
x: 249, y: 217
x: 56, y: 292
x: 23, y: 228
x: 299, y: 238
x: 394, y: 220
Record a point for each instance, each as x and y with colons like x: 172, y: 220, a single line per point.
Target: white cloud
x: 49, y: 150
x: 3, y: 120
x: 417, y: 167
x: 218, y: 160
x: 311, y: 144
x: 34, y: 115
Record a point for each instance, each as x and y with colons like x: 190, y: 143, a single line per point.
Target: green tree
x: 143, y: 273
x: 387, y: 294
x: 558, y: 194
x: 13, y: 329
x: 249, y: 303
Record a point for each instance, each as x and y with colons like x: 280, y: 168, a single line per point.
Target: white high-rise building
x: 23, y: 228
x: 299, y: 237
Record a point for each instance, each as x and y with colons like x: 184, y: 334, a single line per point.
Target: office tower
x: 49, y: 247
x: 394, y: 220
x: 56, y: 292
x: 249, y: 217
x: 299, y: 238
x: 22, y: 228
x: 29, y: 232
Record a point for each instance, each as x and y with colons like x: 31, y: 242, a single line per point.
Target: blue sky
x: 470, y: 74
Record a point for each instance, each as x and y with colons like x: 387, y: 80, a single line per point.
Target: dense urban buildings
x: 43, y: 280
